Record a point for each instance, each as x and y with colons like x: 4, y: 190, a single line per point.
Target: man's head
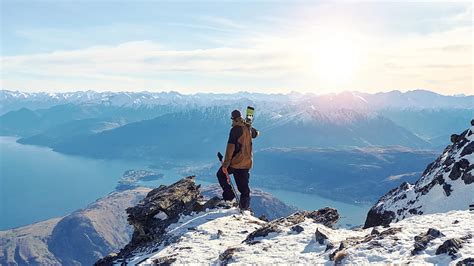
x: 235, y: 115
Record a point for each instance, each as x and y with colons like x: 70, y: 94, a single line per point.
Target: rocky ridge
x: 174, y: 225
x: 446, y: 184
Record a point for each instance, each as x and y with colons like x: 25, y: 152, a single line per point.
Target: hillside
x: 78, y: 238
x: 201, y: 132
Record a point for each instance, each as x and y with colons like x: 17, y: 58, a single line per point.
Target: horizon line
x: 241, y: 91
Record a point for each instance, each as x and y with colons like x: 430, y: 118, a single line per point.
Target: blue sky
x: 265, y: 46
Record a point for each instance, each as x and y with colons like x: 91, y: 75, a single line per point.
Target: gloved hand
x: 254, y: 132
x: 224, y: 170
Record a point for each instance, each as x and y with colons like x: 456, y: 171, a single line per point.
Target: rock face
x: 79, y: 238
x: 262, y: 203
x: 446, y: 184
x: 160, y: 208
x: 179, y: 198
x: 450, y: 246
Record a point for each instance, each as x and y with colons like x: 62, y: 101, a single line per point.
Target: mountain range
x: 417, y: 99
x: 115, y: 120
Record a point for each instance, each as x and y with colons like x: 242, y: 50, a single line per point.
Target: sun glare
x: 334, y: 61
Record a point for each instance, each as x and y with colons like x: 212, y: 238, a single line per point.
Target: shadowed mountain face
x: 79, y: 238
x: 59, y: 119
x: 145, y: 125
x: 200, y: 133
x: 433, y: 125
x: 358, y: 175
x: 351, y: 176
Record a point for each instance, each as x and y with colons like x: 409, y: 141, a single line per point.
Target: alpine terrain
x: 174, y: 224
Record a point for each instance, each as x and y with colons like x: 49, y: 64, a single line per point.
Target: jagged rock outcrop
x: 450, y: 246
x: 81, y: 237
x: 160, y: 208
x: 173, y: 200
x: 422, y: 240
x: 325, y: 216
x: 446, y: 184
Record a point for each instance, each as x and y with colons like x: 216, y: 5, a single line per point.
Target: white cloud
x: 260, y: 60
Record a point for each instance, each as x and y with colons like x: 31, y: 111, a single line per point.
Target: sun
x: 334, y: 60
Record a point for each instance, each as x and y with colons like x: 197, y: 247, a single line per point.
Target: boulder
x: 297, y: 228
x: 422, y: 240
x: 320, y: 236
x: 326, y: 216
x: 450, y: 246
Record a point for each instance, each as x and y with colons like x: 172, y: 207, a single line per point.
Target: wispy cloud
x: 272, y: 53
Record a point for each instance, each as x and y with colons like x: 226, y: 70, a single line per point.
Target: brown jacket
x: 238, y: 154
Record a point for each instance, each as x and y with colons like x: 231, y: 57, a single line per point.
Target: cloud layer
x: 277, y: 60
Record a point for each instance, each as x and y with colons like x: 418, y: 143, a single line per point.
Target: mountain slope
x: 314, y: 126
x: 446, y: 184
x: 199, y: 133
x: 69, y: 131
x: 355, y: 175
x: 78, y: 238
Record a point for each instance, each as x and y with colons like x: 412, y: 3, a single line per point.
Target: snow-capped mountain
x: 172, y: 226
x: 446, y: 184
x: 13, y: 100
x: 418, y: 99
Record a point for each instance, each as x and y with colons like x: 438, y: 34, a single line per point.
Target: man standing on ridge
x: 238, y: 160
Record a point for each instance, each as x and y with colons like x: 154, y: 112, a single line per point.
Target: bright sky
x: 227, y: 46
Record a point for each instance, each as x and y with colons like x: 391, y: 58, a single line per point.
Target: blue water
x: 37, y: 183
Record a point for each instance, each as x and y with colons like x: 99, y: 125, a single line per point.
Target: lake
x: 37, y: 183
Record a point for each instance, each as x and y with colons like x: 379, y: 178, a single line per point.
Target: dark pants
x: 241, y: 177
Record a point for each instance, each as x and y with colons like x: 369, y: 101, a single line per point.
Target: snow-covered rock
x: 221, y: 236
x: 213, y: 234
x: 446, y: 184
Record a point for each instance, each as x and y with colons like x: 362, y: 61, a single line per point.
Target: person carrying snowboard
x: 238, y: 160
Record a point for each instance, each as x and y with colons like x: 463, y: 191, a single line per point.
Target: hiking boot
x: 247, y: 211
x: 227, y: 204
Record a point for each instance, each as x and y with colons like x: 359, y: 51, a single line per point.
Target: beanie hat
x: 236, y: 114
